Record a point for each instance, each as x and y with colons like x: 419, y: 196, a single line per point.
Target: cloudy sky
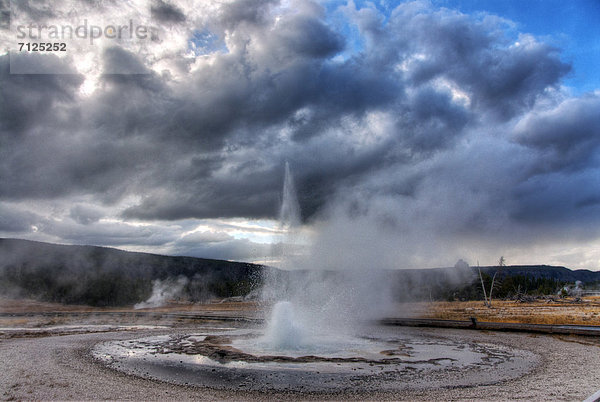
x: 418, y: 132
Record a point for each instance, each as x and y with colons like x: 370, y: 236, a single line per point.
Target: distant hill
x: 464, y: 283
x: 102, y: 276
x: 548, y: 272
x: 534, y: 271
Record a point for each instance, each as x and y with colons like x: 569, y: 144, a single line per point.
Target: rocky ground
x: 48, y: 357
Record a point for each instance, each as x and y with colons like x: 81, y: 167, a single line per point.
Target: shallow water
x: 382, y: 358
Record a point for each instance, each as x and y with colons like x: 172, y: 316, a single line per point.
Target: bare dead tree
x: 501, y: 263
x: 485, y: 299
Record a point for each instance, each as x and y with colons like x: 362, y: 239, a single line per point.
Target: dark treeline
x: 510, y: 287
x: 511, y: 282
x: 101, y: 276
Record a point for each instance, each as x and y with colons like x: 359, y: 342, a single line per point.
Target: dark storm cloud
x: 253, y: 91
x: 317, y: 40
x: 256, y: 193
x: 45, y: 166
x: 431, y: 120
x: 557, y: 199
x: 165, y: 12
x: 568, y: 136
x: 501, y: 77
x: 209, y: 204
x: 435, y: 117
x: 560, y: 184
x: 30, y: 100
x: 15, y: 219
x: 116, y: 59
x: 336, y: 90
x: 253, y: 12
x: 108, y: 233
x: 85, y: 215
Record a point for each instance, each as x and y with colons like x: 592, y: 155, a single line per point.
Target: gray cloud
x: 439, y: 123
x: 16, y: 220
x: 85, y: 215
x: 28, y: 100
x: 253, y: 12
x: 166, y: 12
x: 567, y: 135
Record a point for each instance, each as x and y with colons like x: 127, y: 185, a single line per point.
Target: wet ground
x: 381, y: 359
x: 178, y: 360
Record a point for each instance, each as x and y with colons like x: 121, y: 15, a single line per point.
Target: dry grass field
x: 33, y: 306
x: 35, y: 314
x: 562, y: 311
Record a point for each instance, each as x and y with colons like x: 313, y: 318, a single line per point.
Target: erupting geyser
x: 312, y: 311
x: 307, y: 345
x: 289, y: 214
x: 283, y: 331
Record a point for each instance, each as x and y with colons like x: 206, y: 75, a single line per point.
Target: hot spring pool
x: 378, y: 358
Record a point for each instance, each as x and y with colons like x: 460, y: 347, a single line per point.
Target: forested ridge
x: 102, y: 276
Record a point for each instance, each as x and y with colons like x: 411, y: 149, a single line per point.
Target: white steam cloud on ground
x: 163, y: 291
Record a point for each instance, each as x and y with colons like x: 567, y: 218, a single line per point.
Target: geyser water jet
x: 315, y: 308
x: 289, y: 221
x: 289, y: 213
x: 284, y: 331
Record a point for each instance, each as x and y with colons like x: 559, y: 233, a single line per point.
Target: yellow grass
x: 586, y: 312
x: 36, y: 313
x: 33, y: 306
x: 563, y: 311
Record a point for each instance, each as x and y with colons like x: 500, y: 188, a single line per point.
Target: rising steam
x: 323, y: 298
x: 163, y: 291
